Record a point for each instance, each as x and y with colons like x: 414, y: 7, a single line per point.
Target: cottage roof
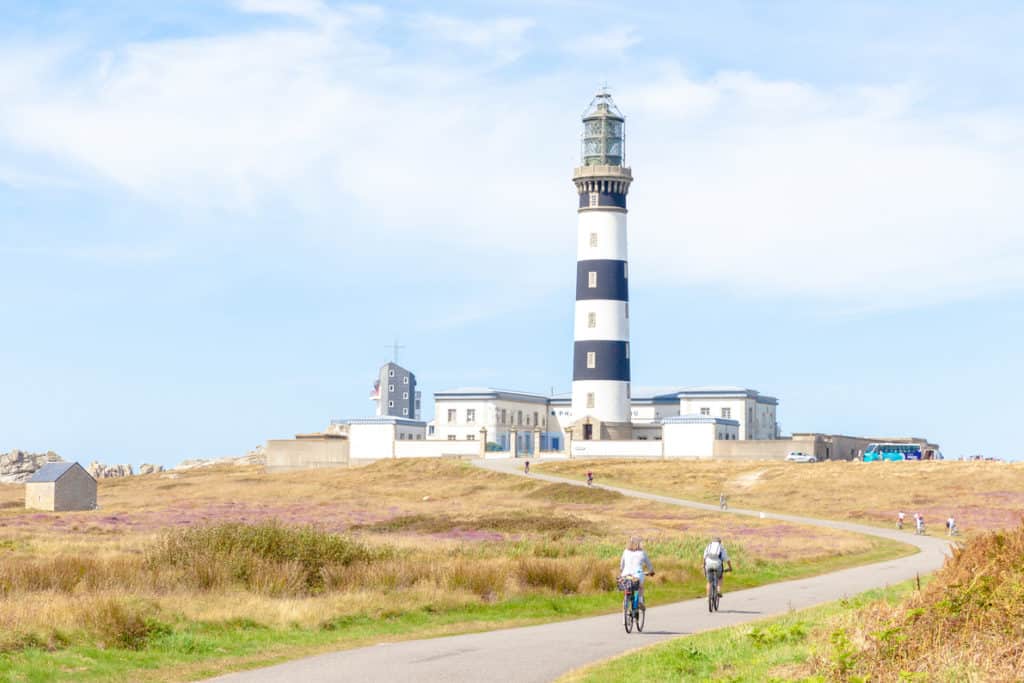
x: 52, y: 471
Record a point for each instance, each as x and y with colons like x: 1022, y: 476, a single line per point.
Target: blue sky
x: 215, y: 217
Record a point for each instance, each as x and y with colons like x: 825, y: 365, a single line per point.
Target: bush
x: 125, y: 625
x: 269, y: 557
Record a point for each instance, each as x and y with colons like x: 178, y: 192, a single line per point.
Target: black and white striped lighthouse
x: 600, y: 379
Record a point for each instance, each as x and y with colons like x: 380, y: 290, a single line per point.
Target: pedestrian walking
x: 722, y: 503
x: 526, y: 467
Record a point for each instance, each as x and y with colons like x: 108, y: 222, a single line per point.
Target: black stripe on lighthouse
x: 601, y: 279
x: 610, y: 360
x: 616, y: 200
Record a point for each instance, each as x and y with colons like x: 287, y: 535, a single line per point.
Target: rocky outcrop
x: 100, y: 471
x: 256, y: 456
x: 146, y: 468
x: 18, y: 466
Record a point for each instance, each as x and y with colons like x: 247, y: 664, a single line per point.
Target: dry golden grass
x: 437, y: 534
x: 967, y: 624
x: 980, y: 495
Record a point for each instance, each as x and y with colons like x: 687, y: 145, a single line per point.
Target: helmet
x: 717, y: 539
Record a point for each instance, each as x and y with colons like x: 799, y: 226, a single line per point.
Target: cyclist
x: 900, y: 516
x: 590, y: 478
x: 634, y: 561
x: 714, y: 558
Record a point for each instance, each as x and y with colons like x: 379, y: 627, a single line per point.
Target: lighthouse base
x: 594, y: 429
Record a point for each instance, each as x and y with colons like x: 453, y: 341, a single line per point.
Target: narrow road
x: 536, y: 654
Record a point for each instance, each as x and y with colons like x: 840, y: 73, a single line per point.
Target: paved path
x: 542, y: 653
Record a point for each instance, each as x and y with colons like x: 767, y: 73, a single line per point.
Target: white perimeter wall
x: 693, y: 440
x: 616, y: 449
x: 437, y: 449
x: 371, y: 441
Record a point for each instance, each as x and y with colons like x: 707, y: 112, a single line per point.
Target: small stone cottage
x: 61, y: 486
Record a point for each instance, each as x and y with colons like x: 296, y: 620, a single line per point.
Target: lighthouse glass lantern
x: 602, y: 132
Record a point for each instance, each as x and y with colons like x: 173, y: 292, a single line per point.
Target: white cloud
x: 847, y: 195
x: 610, y: 45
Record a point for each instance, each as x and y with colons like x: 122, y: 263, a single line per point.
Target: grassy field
x: 183, y: 575
x: 981, y: 496
x: 966, y: 624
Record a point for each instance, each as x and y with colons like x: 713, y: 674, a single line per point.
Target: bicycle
x: 713, y: 596
x: 633, y: 611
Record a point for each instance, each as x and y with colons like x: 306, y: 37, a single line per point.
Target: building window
x: 391, y: 404
x: 391, y: 373
x: 527, y: 419
x: 471, y: 415
x: 405, y: 395
x: 593, y: 239
x: 590, y: 400
x: 591, y: 319
x: 627, y: 350
x: 519, y: 417
x: 470, y: 437
x: 430, y: 430
x: 592, y: 279
x: 705, y: 411
x: 726, y: 412
x: 451, y: 437
x: 625, y: 271
x: 591, y: 360
x: 405, y: 411
x: 536, y: 419
x: 405, y: 380
x: 502, y: 416
x: 451, y: 415
x: 593, y: 199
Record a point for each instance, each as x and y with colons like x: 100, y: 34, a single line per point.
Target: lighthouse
x: 600, y: 378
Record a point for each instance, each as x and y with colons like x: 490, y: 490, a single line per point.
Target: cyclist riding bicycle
x: 715, y: 558
x: 634, y: 561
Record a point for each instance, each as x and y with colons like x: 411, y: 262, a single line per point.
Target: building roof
x: 52, y: 471
x: 699, y: 419
x: 381, y: 420
x: 726, y: 392
x: 490, y: 393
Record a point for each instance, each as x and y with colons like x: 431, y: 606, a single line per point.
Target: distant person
x: 722, y: 503
x: 526, y: 467
x: 714, y: 560
x: 919, y: 520
x: 590, y: 478
x: 900, y: 517
x: 951, y: 526
x: 634, y: 562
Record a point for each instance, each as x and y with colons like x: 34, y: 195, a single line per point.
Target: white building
x: 472, y: 413
x: 755, y: 412
x: 461, y: 414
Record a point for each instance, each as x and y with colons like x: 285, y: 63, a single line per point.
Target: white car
x: 798, y: 456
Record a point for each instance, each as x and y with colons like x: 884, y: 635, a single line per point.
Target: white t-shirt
x: 716, y: 550
x: 633, y: 563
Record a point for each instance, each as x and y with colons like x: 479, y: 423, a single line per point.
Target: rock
x: 100, y: 471
x: 18, y: 466
x: 146, y: 468
x: 256, y: 456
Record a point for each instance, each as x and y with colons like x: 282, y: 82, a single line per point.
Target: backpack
x: 713, y: 555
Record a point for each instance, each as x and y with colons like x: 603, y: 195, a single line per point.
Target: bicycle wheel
x: 713, y: 593
x: 627, y: 613
x: 639, y: 618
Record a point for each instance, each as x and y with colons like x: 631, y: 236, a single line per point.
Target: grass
x: 982, y: 496
x: 771, y: 650
x: 237, y: 568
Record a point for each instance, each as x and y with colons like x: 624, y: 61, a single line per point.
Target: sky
x: 215, y: 217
